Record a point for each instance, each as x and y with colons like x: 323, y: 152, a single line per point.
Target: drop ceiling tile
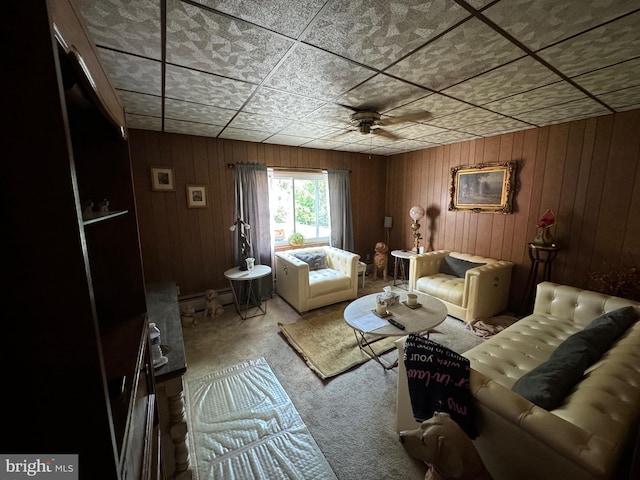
x: 601, y: 47
x: 563, y: 113
x: 462, y: 53
x: 193, y: 86
x: 324, y: 143
x: 408, y: 145
x: 385, y: 151
x: 381, y: 93
x: 128, y: 72
x: 292, y: 140
x: 622, y: 75
x: 377, y: 33
x: 288, y: 17
x: 330, y: 114
x: 309, y: 130
x: 191, y: 128
x: 245, y: 135
x: 352, y: 147
x: 417, y: 131
x: 547, y: 96
x: 503, y: 125
x: 467, y: 117
x: 132, y: 27
x: 144, y: 122
x: 450, y: 136
x: 317, y: 74
x: 539, y: 23
x: 519, y: 76
x: 261, y: 123
x: 281, y: 104
x: 436, y: 104
x: 195, y: 112
x: 141, y: 104
x: 624, y: 99
x: 199, y: 39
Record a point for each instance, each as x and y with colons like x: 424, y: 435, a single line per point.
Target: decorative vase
x: 544, y: 237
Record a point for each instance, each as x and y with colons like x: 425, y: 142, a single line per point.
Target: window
x: 299, y: 203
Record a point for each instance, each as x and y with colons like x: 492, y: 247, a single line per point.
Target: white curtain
x: 252, y: 206
x: 340, y: 209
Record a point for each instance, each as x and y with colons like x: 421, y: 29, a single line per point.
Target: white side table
x: 248, y: 276
x: 399, y: 257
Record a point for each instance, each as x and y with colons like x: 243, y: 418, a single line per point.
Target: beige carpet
x: 329, y: 346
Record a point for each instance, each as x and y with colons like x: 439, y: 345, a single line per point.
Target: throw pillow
x: 456, y: 266
x: 549, y: 383
x: 316, y: 261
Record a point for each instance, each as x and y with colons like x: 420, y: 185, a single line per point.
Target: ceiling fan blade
x: 385, y: 133
x: 341, y: 134
x: 409, y: 117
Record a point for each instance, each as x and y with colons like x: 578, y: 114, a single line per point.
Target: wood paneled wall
x: 194, y: 246
x: 585, y: 171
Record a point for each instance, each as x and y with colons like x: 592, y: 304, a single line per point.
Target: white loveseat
x: 306, y: 288
x: 590, y: 432
x: 469, y: 293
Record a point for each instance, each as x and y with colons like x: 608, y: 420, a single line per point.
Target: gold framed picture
x: 196, y: 196
x: 481, y: 188
x: 162, y: 179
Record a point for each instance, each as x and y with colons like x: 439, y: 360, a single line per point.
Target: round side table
x: 247, y: 277
x: 399, y: 258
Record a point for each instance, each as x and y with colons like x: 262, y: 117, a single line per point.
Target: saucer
x: 381, y: 315
x: 417, y: 305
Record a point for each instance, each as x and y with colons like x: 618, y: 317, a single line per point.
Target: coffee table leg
x: 367, y: 349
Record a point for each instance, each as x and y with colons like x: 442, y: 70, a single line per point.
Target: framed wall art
x: 196, y: 196
x: 162, y: 179
x: 485, y: 187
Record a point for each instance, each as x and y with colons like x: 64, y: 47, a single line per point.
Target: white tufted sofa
x: 590, y: 434
x: 305, y: 290
x: 482, y: 293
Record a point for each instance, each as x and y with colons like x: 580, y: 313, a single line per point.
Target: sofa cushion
x: 316, y: 261
x: 327, y: 280
x: 442, y: 286
x: 549, y: 383
x: 456, y: 266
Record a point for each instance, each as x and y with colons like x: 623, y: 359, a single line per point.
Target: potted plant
x: 296, y: 239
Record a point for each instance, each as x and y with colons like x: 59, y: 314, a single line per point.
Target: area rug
x: 242, y: 425
x: 329, y: 347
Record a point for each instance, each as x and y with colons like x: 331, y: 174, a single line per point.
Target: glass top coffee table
x: 359, y: 315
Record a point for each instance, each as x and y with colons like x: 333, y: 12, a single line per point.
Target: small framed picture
x: 196, y: 196
x: 162, y: 179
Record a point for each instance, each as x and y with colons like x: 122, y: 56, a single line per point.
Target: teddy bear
x: 213, y: 307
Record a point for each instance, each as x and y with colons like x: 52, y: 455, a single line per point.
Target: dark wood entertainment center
x: 76, y: 349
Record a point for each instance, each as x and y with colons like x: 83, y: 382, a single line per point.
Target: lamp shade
x: 416, y: 213
x: 388, y: 222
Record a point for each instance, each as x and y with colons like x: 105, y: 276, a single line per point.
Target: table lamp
x: 416, y: 213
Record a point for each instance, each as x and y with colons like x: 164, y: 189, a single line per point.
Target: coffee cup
x: 412, y: 299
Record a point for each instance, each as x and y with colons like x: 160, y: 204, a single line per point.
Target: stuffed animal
x: 187, y: 316
x: 213, y: 307
x: 380, y: 260
x: 442, y: 444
